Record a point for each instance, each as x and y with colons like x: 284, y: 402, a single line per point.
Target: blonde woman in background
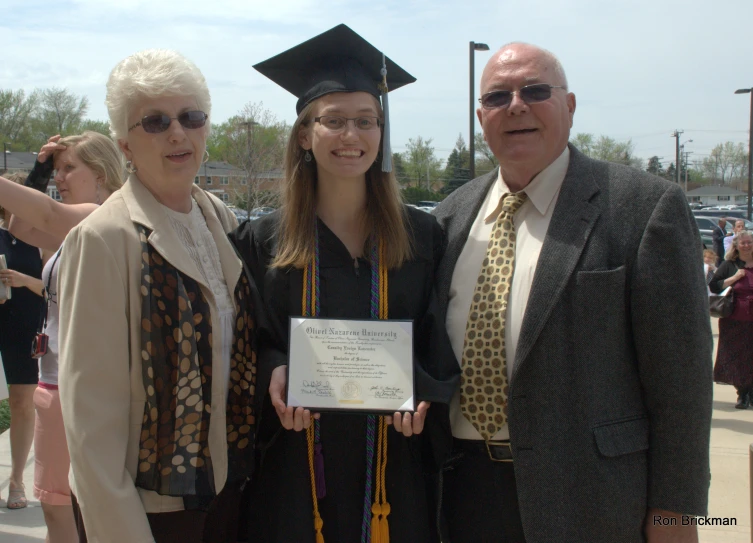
x: 88, y: 170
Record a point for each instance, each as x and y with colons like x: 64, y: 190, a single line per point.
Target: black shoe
x: 743, y: 400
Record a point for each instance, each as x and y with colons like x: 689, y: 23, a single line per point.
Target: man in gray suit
x: 595, y: 427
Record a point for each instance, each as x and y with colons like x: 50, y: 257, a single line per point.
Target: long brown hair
x: 385, y: 213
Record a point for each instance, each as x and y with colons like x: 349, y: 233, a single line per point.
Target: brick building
x: 229, y: 183
x: 23, y: 162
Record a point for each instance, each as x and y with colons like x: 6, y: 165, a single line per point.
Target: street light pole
x: 750, y: 150
x: 248, y: 125
x: 473, y: 47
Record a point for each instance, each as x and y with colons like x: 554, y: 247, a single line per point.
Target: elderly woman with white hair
x: 157, y: 362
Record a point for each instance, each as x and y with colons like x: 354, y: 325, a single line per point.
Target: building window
x: 55, y: 195
x: 196, y: 180
x: 722, y: 198
x: 224, y: 181
x: 209, y: 180
x: 225, y: 197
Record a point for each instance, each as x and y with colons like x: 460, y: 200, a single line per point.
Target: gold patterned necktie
x: 483, y: 384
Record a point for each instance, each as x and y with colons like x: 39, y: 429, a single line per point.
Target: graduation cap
x: 338, y: 60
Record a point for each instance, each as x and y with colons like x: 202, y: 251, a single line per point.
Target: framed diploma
x: 351, y: 365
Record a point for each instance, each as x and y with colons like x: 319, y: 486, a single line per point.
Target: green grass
x: 4, y: 416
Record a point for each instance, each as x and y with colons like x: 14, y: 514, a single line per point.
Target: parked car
x: 427, y: 203
x: 716, y: 212
x: 242, y: 214
x: 706, y: 227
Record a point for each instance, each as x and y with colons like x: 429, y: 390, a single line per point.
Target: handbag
x: 39, y: 343
x: 723, y: 304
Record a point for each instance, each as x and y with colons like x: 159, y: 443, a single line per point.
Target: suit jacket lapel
x: 572, y: 222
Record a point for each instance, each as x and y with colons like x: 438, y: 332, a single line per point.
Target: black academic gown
x: 281, y: 506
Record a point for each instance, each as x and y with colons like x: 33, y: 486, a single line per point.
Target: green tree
x: 584, y: 143
x: 16, y: 111
x: 60, y: 112
x: 485, y: 159
x: 457, y: 169
x: 254, y: 140
x: 28, y: 120
x: 654, y: 166
x: 421, y: 163
x: 103, y: 127
x: 671, y: 173
x: 608, y: 149
x: 398, y: 168
x: 727, y: 162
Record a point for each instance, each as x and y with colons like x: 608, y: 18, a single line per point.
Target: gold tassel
x: 376, y: 532
x: 318, y: 524
x: 380, y: 529
x: 384, y: 526
x: 386, y: 509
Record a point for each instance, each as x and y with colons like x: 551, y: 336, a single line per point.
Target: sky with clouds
x: 639, y: 68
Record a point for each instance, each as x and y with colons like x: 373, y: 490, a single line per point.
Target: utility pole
x: 473, y: 47
x: 750, y: 151
x: 676, y: 135
x: 686, y: 169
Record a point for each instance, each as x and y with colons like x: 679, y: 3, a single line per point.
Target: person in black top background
x: 717, y: 240
x: 19, y: 318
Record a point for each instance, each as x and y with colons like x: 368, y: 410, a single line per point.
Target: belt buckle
x: 498, y: 444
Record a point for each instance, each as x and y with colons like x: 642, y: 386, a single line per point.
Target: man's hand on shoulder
x: 667, y: 527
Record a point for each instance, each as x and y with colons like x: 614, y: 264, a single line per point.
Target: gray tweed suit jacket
x: 610, y: 399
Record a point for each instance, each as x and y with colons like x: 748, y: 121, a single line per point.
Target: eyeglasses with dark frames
x: 154, y: 124
x: 335, y: 123
x: 530, y: 94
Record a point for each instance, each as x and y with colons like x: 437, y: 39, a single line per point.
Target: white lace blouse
x: 191, y: 228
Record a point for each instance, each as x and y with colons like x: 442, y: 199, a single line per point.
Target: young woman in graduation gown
x: 341, y: 232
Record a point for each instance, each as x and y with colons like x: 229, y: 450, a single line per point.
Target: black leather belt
x: 498, y: 451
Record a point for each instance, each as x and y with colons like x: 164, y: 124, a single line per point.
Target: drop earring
x: 130, y: 168
x: 307, y: 156
x: 99, y: 196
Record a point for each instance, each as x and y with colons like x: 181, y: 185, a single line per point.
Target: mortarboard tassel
x: 386, y: 149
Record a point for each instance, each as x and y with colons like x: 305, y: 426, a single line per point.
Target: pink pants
x: 50, y: 449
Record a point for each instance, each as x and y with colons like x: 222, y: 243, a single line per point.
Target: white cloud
x: 640, y: 68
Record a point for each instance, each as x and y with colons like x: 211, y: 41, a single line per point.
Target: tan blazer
x: 101, y: 388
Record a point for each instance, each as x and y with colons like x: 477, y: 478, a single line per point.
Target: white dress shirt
x: 531, y: 223
x: 727, y: 240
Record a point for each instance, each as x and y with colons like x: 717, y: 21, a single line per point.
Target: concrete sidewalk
x: 21, y: 525
x: 729, y: 496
